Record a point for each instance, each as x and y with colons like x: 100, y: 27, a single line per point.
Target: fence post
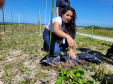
x: 40, y: 21
x: 19, y: 19
x: 3, y: 19
x: 92, y: 31
x: 45, y: 12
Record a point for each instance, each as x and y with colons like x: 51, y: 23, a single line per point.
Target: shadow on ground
x: 97, y: 54
x: 106, y: 44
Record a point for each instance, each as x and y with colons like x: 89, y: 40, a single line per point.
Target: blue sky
x: 89, y: 12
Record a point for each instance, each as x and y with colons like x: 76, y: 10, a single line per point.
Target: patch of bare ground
x: 19, y: 67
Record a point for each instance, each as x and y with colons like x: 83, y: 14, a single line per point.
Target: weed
x: 40, y: 75
x: 31, y: 51
x: 8, y: 75
x: 24, y: 82
x: 2, y: 58
x: 102, y: 75
x: 21, y: 67
x: 71, y: 76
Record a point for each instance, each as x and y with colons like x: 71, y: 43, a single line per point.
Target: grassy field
x: 21, y: 52
x: 99, y: 31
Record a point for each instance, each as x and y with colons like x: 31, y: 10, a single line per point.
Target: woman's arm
x: 71, y: 54
x: 57, y: 11
x: 66, y: 35
x: 70, y: 36
x: 60, y: 33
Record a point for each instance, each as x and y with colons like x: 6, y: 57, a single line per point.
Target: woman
x: 63, y: 28
x: 60, y: 5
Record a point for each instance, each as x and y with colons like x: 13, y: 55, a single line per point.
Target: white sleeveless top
x: 57, y: 19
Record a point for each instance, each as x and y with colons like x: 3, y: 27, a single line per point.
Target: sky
x: 89, y: 12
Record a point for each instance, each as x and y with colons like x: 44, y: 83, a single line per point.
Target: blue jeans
x: 55, y: 48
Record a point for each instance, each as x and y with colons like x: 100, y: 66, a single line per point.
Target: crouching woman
x: 63, y: 30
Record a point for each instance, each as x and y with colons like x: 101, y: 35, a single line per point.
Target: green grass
x: 27, y: 38
x: 99, y: 31
x: 87, y: 42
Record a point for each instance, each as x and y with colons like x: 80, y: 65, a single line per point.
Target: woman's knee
x: 57, y: 50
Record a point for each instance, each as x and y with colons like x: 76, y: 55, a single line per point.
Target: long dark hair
x: 71, y: 26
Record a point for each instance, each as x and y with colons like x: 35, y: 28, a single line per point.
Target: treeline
x: 8, y: 24
x: 97, y: 27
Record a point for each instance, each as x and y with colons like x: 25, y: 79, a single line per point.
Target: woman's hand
x: 71, y: 54
x: 71, y: 42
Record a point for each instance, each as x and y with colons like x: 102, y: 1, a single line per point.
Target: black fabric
x: 89, y: 57
x: 51, y: 59
x: 65, y: 58
x: 61, y: 4
x: 109, y: 53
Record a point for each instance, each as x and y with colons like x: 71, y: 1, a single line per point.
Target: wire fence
x: 22, y: 27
